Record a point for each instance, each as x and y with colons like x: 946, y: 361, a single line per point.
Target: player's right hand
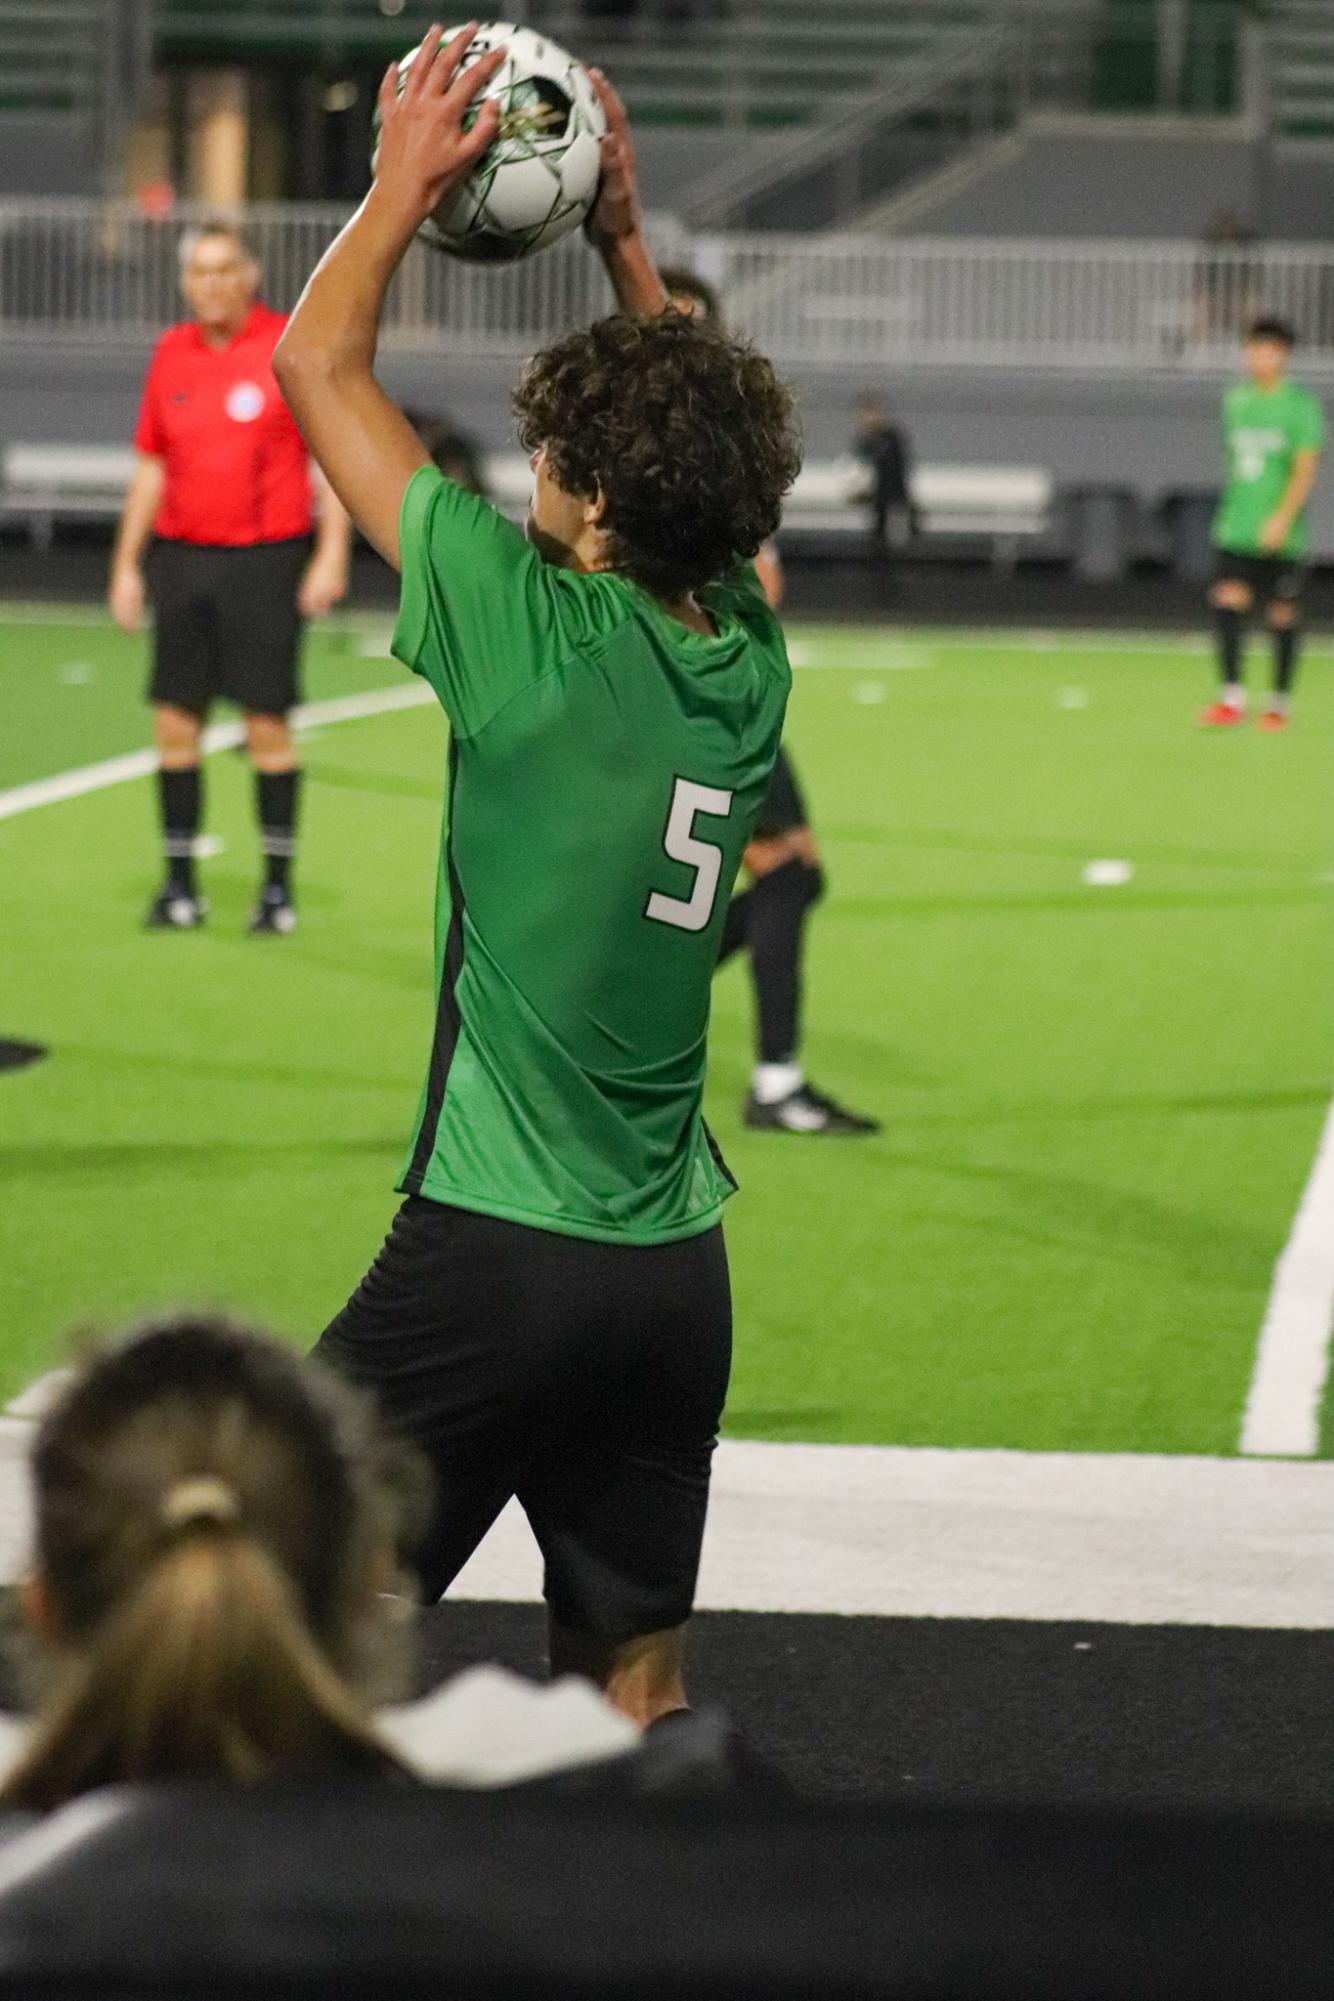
x: 425, y: 152
x: 125, y: 598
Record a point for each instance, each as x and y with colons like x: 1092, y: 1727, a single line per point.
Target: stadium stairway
x: 1302, y: 67
x: 70, y: 71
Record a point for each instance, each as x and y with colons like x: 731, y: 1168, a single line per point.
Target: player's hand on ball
x: 616, y: 214
x: 125, y: 599
x: 425, y: 153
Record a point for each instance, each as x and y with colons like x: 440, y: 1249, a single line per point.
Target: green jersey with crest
x: 605, y: 767
x: 1262, y: 431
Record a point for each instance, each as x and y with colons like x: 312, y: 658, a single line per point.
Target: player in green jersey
x: 550, y: 1316
x: 1273, y: 432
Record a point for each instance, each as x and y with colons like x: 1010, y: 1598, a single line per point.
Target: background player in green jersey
x: 1272, y: 435
x: 550, y: 1316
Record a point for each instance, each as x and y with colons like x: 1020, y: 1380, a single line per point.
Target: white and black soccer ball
x: 539, y: 179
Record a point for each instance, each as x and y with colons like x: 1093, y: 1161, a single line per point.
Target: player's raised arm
x: 325, y: 361
x: 615, y: 225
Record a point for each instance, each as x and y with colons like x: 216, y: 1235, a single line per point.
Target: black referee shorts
x: 1270, y: 579
x: 227, y: 624
x: 784, y: 809
x: 588, y: 1379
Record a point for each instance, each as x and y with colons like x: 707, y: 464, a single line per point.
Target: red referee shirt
x: 237, y: 470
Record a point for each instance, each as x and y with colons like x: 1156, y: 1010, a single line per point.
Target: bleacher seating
x: 1302, y: 67
x: 1000, y: 506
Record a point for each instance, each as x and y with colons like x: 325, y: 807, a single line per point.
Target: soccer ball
x: 540, y: 178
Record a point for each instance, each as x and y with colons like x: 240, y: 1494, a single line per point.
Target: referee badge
x: 245, y: 402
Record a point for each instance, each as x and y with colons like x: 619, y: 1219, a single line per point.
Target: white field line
x: 220, y: 736
x: 882, y: 1530
x: 1292, y: 1361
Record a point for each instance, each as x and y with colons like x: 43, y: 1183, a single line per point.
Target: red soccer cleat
x: 1222, y: 716
x: 1273, y: 719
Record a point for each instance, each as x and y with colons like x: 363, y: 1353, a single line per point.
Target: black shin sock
x: 276, y: 801
x: 778, y: 905
x: 1287, y: 645
x: 180, y: 803
x: 1230, y: 627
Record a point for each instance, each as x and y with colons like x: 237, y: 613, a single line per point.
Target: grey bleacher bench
x: 1003, y: 506
x: 41, y: 484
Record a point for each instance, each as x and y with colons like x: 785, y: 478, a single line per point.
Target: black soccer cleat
x: 274, y: 915
x: 172, y: 910
x: 806, y: 1110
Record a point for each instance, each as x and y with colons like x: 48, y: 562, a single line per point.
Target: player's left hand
x: 1274, y: 534
x: 425, y: 153
x: 616, y: 213
x: 323, y: 585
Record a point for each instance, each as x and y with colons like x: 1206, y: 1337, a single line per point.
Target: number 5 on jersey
x: 691, y: 913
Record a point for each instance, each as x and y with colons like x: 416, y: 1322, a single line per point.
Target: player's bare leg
x: 277, y: 781
x: 1284, y: 621
x: 643, y: 1678
x: 1232, y: 603
x: 176, y: 738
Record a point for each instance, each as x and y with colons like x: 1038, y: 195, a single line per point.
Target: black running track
x: 978, y: 1713
x: 983, y: 1712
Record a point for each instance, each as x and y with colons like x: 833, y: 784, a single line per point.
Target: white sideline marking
x: 1292, y: 1362
x: 893, y: 1532
x: 219, y: 736
x: 888, y: 1531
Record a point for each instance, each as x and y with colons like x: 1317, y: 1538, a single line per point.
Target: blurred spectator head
x: 216, y: 1532
x: 219, y: 276
x: 1269, y: 344
x: 451, y: 450
x: 1227, y: 227
x: 871, y: 412
x: 692, y: 295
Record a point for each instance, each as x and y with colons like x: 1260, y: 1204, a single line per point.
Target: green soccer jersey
x: 1262, y: 430
x: 605, y: 768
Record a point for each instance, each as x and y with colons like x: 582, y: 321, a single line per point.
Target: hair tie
x: 205, y: 1499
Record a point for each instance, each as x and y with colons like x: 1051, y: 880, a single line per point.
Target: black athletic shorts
x: 784, y: 808
x: 588, y: 1379
x: 226, y: 624
x: 1270, y: 579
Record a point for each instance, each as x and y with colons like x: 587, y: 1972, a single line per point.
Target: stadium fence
x: 77, y: 271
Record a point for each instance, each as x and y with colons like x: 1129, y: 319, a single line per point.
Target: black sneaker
x: 806, y: 1110
x: 172, y: 910
x: 274, y: 914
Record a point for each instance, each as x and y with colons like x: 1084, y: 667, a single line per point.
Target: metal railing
x: 76, y: 271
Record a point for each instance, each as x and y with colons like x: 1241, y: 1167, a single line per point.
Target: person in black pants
x: 768, y: 919
x: 885, y: 450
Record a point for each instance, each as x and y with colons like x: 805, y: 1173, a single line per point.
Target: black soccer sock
x: 275, y: 801
x: 1287, y: 645
x: 1230, y: 627
x: 180, y: 804
x: 778, y: 905
x: 736, y: 926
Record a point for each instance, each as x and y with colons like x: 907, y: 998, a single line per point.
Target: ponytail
x: 211, y: 1515
x: 207, y: 1671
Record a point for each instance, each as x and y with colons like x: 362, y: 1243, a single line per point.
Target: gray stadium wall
x: 1153, y: 436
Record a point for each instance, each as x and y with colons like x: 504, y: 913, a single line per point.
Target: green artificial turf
x: 1101, y: 1103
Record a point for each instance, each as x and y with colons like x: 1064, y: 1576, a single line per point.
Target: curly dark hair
x: 688, y: 433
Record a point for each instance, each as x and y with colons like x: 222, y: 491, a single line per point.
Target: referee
x: 225, y: 489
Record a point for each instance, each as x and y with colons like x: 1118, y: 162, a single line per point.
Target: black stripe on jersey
x: 717, y: 1153
x: 447, y: 1009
